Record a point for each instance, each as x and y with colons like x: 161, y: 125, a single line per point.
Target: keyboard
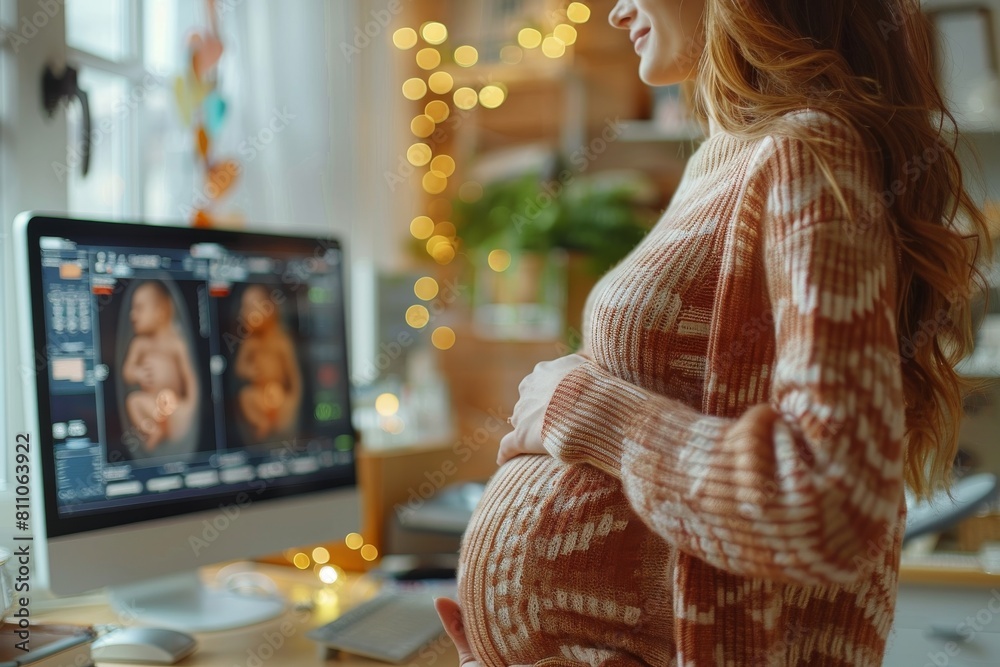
x: 390, y: 627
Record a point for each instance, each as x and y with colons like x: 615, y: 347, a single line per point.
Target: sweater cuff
x: 586, y: 418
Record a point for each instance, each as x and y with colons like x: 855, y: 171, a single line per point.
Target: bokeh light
x: 417, y: 316
x: 470, y: 192
x: 443, y: 338
x: 328, y: 574
x: 392, y: 424
x: 434, y: 241
x: 414, y: 89
x: 404, y: 38
x: 577, y: 12
x: 445, y: 229
x: 553, y: 48
x: 426, y: 288
x: 422, y: 126
x: 466, y: 56
x: 443, y: 253
x: 369, y: 552
x: 419, y: 154
x: 428, y: 58
x: 511, y: 54
x: 491, y: 96
x: 437, y: 110
x: 433, y: 183
x: 434, y: 33
x: 443, y: 165
x: 301, y: 561
x: 422, y: 227
x: 529, y: 38
x: 565, y: 33
x: 440, y: 82
x: 466, y: 98
x: 354, y: 541
x: 387, y: 404
x: 499, y: 260
x: 321, y: 555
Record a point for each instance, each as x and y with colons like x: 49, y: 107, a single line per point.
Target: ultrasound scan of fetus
x: 270, y: 396
x: 161, y: 387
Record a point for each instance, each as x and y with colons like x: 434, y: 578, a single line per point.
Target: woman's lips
x: 640, y: 40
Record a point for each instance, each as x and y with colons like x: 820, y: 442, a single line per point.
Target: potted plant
x: 538, y: 243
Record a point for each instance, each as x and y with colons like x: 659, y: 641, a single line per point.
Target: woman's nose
x: 622, y: 14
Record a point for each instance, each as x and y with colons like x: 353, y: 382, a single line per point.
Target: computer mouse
x: 156, y: 646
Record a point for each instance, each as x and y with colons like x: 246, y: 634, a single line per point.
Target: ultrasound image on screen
x: 264, y: 373
x: 182, y: 368
x: 156, y: 381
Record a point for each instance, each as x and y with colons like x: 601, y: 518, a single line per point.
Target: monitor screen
x: 179, y: 369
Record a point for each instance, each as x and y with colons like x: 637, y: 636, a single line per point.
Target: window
x: 307, y: 126
x: 128, y: 53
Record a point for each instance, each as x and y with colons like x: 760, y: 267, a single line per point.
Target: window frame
x: 132, y: 70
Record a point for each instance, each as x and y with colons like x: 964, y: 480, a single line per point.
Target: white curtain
x: 313, y: 129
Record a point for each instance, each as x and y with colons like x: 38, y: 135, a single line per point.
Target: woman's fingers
x: 451, y: 618
x: 508, y: 448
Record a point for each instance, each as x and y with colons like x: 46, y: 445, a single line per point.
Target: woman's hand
x: 451, y: 618
x: 535, y: 393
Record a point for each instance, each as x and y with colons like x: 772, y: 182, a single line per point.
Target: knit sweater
x: 725, y: 485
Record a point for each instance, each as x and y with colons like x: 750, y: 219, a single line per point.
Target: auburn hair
x: 870, y: 64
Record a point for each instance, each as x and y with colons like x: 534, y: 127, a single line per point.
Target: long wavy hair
x: 870, y: 64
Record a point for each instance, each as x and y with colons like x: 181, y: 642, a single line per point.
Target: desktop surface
x: 281, y: 641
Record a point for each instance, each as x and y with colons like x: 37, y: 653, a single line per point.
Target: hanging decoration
x: 202, y: 109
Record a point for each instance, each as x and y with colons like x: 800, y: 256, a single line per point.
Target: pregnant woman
x: 717, y: 477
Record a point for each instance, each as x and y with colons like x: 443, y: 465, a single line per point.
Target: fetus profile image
x: 270, y: 397
x: 163, y: 391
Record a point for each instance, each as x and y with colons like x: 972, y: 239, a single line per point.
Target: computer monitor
x: 187, y: 393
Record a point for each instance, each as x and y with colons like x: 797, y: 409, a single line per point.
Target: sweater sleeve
x: 802, y: 488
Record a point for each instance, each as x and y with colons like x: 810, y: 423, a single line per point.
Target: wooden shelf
x: 946, y: 569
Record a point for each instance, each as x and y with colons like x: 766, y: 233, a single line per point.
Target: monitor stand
x: 183, y: 602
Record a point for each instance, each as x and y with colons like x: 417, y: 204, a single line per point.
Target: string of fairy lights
x: 319, y: 558
x: 433, y: 226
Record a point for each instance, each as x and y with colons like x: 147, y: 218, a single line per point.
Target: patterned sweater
x: 726, y: 479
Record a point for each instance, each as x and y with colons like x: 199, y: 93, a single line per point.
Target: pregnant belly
x: 556, y: 564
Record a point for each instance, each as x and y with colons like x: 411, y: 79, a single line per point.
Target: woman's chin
x: 663, y: 74
x: 653, y: 76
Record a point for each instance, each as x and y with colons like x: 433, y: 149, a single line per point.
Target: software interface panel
x: 181, y: 372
